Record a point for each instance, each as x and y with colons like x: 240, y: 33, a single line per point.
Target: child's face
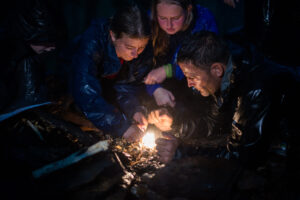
x: 170, y: 17
x: 128, y: 48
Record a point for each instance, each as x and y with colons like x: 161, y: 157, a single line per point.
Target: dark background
x: 277, y: 41
x: 77, y: 14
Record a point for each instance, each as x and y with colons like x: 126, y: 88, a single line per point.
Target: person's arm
x: 185, y: 133
x: 161, y: 95
x: 87, y: 91
x: 127, y: 98
x: 151, y: 88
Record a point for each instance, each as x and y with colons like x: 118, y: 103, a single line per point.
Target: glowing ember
x: 149, y: 140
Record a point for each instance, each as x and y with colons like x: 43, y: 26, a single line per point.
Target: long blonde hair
x: 160, y: 39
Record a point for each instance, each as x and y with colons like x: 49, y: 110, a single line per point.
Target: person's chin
x: 128, y: 59
x: 204, y: 93
x: 171, y: 32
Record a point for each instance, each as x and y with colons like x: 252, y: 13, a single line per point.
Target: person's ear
x: 217, y: 69
x: 112, y: 36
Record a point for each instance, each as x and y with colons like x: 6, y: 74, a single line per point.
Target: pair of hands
x: 162, y: 96
x: 160, y: 118
x: 166, y: 146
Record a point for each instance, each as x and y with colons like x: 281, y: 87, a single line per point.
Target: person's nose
x: 169, y: 23
x: 134, y: 53
x: 190, y: 83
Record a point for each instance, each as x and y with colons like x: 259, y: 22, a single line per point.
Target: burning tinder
x: 148, y: 140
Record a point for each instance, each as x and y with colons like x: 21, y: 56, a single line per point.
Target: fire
x: 149, y: 140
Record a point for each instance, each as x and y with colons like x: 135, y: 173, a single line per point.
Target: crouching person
x: 108, y: 69
x: 255, y: 101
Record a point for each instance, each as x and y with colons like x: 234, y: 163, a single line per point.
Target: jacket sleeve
x: 255, y: 124
x: 201, y: 122
x: 127, y: 98
x: 87, y: 91
x: 151, y: 88
x: 200, y: 132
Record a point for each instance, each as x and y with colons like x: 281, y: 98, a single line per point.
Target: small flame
x: 149, y: 140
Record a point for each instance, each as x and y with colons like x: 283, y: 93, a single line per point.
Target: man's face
x: 128, y: 48
x: 170, y: 17
x: 205, y: 81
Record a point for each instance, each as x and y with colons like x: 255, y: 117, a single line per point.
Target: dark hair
x: 203, y: 49
x: 160, y: 39
x: 132, y: 21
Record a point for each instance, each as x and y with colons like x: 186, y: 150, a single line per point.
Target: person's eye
x: 141, y: 49
x: 162, y: 18
x: 176, y: 18
x: 129, y: 47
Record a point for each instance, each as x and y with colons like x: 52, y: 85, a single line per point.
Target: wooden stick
x: 35, y: 130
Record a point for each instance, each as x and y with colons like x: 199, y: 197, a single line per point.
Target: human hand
x: 161, y: 119
x: 132, y: 134
x: 141, y: 120
x: 157, y: 75
x: 166, y: 147
x: 231, y: 2
x: 164, y: 97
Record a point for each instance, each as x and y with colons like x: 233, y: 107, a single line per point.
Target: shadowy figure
x: 29, y: 34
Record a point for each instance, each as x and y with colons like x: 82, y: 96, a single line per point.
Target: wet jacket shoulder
x: 96, y: 60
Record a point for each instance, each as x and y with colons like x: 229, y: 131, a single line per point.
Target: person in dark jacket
x: 27, y: 35
x: 173, y: 21
x: 108, y: 67
x: 255, y: 104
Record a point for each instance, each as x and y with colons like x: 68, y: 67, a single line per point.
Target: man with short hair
x: 255, y: 103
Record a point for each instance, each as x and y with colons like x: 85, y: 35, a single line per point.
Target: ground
x: 124, y: 171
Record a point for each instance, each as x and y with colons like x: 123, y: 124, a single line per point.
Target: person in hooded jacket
x: 28, y: 33
x: 255, y: 104
x: 108, y: 67
x: 173, y: 21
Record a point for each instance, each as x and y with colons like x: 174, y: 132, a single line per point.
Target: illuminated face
x: 207, y: 82
x: 170, y: 17
x: 128, y: 48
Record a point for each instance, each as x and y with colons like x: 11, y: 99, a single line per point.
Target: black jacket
x: 255, y: 107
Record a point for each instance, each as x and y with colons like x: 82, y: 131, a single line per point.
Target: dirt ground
x: 124, y: 171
